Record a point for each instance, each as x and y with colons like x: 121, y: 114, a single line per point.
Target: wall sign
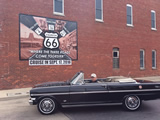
x: 47, y: 41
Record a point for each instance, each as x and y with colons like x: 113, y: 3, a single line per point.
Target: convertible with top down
x: 79, y: 92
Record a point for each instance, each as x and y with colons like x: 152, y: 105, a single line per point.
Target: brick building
x: 119, y: 37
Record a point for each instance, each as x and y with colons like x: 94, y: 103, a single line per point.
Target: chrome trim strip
x: 71, y: 93
x: 94, y: 92
x: 48, y: 94
x: 86, y: 105
x: 141, y: 90
x: 51, y: 86
x: 32, y: 98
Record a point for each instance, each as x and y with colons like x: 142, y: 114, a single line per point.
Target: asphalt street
x: 19, y: 109
x: 150, y: 110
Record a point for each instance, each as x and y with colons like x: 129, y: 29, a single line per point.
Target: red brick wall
x: 95, y: 40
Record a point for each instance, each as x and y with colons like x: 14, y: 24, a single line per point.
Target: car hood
x: 49, y: 84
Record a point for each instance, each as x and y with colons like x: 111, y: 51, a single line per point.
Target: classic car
x: 79, y: 92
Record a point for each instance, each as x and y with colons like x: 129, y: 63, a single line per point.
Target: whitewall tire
x: 47, y: 106
x: 132, y: 102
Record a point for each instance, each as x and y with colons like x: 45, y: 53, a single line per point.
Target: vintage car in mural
x: 79, y: 92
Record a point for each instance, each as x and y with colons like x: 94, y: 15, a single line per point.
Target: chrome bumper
x: 31, y: 100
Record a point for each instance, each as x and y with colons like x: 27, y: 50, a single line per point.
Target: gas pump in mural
x: 47, y: 41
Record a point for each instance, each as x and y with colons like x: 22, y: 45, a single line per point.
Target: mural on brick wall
x: 47, y: 41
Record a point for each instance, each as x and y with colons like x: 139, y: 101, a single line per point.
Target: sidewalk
x: 12, y: 93
x: 22, y: 92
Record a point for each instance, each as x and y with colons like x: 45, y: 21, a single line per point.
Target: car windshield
x: 74, y: 76
x: 77, y: 79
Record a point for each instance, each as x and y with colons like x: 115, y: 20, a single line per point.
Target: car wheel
x: 132, y: 102
x: 47, y: 106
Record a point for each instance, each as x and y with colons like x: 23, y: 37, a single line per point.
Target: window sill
x: 99, y: 20
x: 60, y: 14
x: 142, y: 68
x: 129, y: 25
x: 154, y: 29
x: 154, y: 68
x: 116, y: 68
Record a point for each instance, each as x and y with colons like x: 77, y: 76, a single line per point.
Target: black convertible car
x: 79, y: 92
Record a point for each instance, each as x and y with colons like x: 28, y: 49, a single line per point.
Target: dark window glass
x: 58, y: 6
x: 129, y: 15
x: 142, y: 59
x: 115, y: 62
x: 152, y: 15
x: 153, y: 59
x: 129, y: 19
x: 98, y: 14
x: 115, y: 54
x: 153, y: 23
x: 115, y: 57
x: 98, y: 4
x: 129, y: 10
x: 98, y: 9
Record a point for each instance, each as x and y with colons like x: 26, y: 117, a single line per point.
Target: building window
x: 115, y: 57
x: 99, y: 10
x: 153, y: 59
x: 153, y: 20
x: 58, y: 7
x: 129, y: 15
x: 142, y: 61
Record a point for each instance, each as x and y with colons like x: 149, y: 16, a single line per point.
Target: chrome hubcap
x: 132, y: 102
x: 47, y: 106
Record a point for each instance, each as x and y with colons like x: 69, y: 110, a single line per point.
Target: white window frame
x: 152, y: 11
x: 129, y: 5
x: 142, y: 68
x: 58, y: 13
x: 99, y: 20
x: 154, y: 67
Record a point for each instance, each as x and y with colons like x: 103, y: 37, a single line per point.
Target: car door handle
x: 105, y: 86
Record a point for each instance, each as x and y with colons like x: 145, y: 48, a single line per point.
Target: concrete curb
x: 13, y: 98
x: 14, y: 93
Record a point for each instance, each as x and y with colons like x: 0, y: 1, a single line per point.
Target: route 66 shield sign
x: 51, y: 40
